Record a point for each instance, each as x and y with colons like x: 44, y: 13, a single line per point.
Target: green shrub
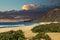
x: 47, y: 28
x: 40, y: 36
x: 12, y: 35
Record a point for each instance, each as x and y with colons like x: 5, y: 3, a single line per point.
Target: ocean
x: 14, y: 24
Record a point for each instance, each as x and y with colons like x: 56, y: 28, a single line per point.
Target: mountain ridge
x: 53, y: 15
x: 26, y: 14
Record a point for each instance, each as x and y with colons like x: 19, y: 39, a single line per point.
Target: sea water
x: 13, y: 24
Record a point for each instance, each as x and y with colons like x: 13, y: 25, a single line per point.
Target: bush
x: 40, y: 36
x: 12, y: 35
x: 47, y: 28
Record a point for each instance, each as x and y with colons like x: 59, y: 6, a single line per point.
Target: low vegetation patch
x: 12, y: 35
x: 41, y: 36
x: 47, y: 28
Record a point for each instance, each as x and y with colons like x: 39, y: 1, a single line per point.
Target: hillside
x: 53, y: 15
x: 21, y: 15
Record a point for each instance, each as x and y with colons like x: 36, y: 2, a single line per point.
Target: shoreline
x: 17, y: 25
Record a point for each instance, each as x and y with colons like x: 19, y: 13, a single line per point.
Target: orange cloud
x: 29, y: 7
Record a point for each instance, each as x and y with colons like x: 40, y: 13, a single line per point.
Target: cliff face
x: 53, y: 15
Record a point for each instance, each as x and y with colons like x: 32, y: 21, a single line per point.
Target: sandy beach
x: 28, y: 33
x: 26, y: 29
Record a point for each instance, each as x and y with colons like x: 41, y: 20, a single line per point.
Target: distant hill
x: 38, y: 14
x: 23, y: 14
x: 53, y: 15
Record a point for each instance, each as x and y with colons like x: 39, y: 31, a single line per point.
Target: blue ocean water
x: 11, y: 24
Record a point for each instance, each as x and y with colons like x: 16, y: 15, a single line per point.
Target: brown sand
x: 54, y: 36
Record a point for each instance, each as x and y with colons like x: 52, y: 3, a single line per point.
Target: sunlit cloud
x: 29, y: 7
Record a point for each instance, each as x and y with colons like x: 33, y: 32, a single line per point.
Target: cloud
x: 29, y: 7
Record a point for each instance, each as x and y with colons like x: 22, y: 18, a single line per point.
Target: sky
x: 6, y: 5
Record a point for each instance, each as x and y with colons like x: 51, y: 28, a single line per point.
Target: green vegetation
x: 47, y: 28
x: 41, y: 36
x: 43, y: 29
x: 12, y: 35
